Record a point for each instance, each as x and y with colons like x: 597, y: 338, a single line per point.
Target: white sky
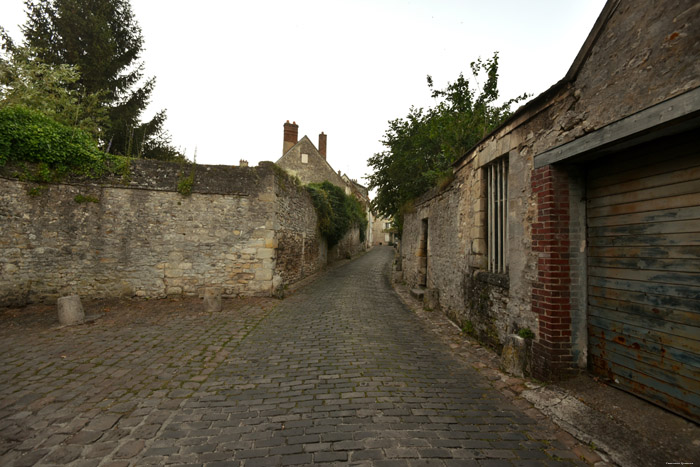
x: 230, y: 73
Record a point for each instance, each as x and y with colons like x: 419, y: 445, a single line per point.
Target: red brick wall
x: 551, y: 292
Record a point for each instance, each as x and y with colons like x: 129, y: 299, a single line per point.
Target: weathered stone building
x: 249, y: 230
x: 382, y: 231
x: 579, y: 217
x: 300, y: 158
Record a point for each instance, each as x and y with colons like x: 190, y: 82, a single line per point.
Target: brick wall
x: 551, y: 298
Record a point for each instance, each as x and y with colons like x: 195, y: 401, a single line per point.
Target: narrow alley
x: 339, y: 372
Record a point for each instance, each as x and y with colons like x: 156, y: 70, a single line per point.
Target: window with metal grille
x: 497, y: 215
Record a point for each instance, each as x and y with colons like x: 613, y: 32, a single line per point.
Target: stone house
x: 579, y: 217
x: 382, y: 231
x: 300, y: 158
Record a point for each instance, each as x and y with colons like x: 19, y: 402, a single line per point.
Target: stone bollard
x: 212, y: 299
x: 514, y: 356
x: 70, y: 310
x: 431, y: 300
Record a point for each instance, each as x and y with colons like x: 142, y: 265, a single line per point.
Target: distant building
x: 302, y: 159
x: 383, y: 232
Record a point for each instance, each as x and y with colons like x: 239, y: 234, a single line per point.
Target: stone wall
x: 301, y: 250
x: 347, y: 247
x: 476, y: 300
x: 639, y: 54
x: 249, y: 230
x: 138, y: 239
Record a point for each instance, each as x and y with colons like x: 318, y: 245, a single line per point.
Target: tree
x: 422, y: 146
x: 103, y: 41
x: 28, y: 82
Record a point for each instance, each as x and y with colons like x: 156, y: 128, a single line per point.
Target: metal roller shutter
x: 643, y: 216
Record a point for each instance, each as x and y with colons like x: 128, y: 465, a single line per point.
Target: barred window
x: 497, y: 215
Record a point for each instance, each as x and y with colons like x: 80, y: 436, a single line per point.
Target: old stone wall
x: 140, y: 237
x: 249, y: 230
x: 454, y: 260
x: 347, y: 247
x: 643, y: 54
x: 300, y: 249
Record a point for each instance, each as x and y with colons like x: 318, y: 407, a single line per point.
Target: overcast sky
x: 230, y: 73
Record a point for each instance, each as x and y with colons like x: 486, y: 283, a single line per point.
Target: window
x: 387, y: 225
x: 304, y: 158
x: 497, y: 215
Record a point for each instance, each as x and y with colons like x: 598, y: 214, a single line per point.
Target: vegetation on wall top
x: 337, y: 212
x: 29, y: 136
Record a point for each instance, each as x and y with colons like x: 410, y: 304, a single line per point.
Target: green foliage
x: 526, y: 333
x: 186, y: 183
x: 468, y: 328
x: 421, y: 147
x: 85, y: 199
x: 27, y: 81
x: 337, y: 212
x: 35, y: 191
x: 102, y: 40
x: 52, y: 149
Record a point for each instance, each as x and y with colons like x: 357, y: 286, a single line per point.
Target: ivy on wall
x: 337, y: 212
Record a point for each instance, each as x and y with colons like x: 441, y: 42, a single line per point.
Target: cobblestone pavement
x: 341, y: 372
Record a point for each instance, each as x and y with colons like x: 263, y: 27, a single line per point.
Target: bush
x: 30, y: 136
x: 337, y: 212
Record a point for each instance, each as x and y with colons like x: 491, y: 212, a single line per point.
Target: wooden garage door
x: 643, y: 215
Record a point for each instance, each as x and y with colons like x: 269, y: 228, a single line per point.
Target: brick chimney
x: 322, y: 144
x: 291, y: 133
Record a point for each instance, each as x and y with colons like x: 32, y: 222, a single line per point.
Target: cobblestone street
x: 339, y: 372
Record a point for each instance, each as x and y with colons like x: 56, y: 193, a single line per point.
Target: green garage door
x: 643, y: 215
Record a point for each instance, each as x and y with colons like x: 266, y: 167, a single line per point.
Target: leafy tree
x: 102, y: 39
x: 27, y: 81
x: 421, y: 147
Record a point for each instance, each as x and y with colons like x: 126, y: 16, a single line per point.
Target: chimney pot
x: 291, y: 134
x: 322, y: 144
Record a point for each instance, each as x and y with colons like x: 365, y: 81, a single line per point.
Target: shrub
x: 30, y: 136
x: 337, y: 212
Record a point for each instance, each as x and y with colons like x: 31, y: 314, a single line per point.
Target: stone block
x: 263, y: 275
x: 70, y: 310
x: 514, y: 355
x: 212, y: 298
x: 479, y: 246
x: 277, y: 286
x: 431, y: 299
x: 266, y: 253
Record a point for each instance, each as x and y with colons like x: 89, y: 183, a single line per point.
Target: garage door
x: 643, y: 215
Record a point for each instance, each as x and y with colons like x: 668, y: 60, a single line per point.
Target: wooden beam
x: 673, y: 115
